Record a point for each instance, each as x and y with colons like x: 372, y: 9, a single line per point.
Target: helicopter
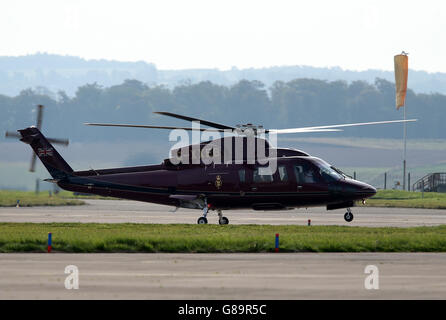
x: 252, y: 175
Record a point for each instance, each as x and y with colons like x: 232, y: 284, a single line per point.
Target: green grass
x: 406, y: 199
x: 8, y: 198
x: 92, y: 237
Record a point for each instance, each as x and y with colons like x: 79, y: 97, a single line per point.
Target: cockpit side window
x: 305, y: 173
x: 309, y: 176
x: 327, y: 172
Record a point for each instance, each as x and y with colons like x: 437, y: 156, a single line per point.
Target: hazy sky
x: 182, y: 34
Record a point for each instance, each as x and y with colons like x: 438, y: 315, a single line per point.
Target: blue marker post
x: 277, y: 242
x: 49, y: 241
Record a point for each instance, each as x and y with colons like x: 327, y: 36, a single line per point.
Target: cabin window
x: 264, y: 178
x: 242, y: 175
x: 283, y: 174
x: 299, y: 173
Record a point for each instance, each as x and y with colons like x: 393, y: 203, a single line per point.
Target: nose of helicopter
x: 360, y: 190
x: 368, y: 190
x: 365, y: 190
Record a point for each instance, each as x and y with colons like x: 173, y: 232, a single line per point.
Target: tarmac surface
x: 119, y: 211
x: 224, y: 276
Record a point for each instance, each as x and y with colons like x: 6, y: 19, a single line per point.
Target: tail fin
x: 50, y: 158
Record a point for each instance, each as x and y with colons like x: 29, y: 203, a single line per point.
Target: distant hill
x: 52, y: 73
x: 67, y: 73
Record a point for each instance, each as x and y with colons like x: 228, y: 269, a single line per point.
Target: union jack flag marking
x: 45, y: 152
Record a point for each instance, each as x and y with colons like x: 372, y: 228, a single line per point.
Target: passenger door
x: 222, y: 178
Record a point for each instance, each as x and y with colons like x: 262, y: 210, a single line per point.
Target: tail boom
x: 51, y: 159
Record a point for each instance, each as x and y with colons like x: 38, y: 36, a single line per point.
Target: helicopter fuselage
x: 299, y: 181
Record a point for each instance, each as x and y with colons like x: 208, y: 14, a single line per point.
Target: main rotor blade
x: 313, y: 129
x: 39, y: 116
x: 149, y: 127
x: 204, y: 122
x: 191, y: 129
x: 310, y: 130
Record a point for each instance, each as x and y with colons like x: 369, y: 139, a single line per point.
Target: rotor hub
x: 249, y: 129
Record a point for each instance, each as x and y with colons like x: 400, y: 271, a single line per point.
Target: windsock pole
x: 401, y: 72
x: 404, y: 153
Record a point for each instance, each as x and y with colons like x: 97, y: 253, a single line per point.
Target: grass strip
x: 406, y: 199
x: 8, y: 198
x: 181, y: 238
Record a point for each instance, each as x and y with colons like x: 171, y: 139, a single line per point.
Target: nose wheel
x: 348, y: 216
x: 202, y: 220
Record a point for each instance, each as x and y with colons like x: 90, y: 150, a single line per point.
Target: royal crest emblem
x: 218, y: 182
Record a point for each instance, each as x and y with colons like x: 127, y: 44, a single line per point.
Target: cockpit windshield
x: 326, y: 171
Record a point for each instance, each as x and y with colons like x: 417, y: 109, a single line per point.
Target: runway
x: 121, y: 211
x: 224, y: 276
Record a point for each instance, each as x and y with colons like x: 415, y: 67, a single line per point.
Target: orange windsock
x: 401, y: 71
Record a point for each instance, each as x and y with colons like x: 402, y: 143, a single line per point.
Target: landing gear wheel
x: 348, y: 216
x: 202, y: 220
x: 221, y: 219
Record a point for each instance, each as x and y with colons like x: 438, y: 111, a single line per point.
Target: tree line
x: 295, y: 103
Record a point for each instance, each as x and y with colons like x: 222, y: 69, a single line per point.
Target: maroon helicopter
x: 238, y: 182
